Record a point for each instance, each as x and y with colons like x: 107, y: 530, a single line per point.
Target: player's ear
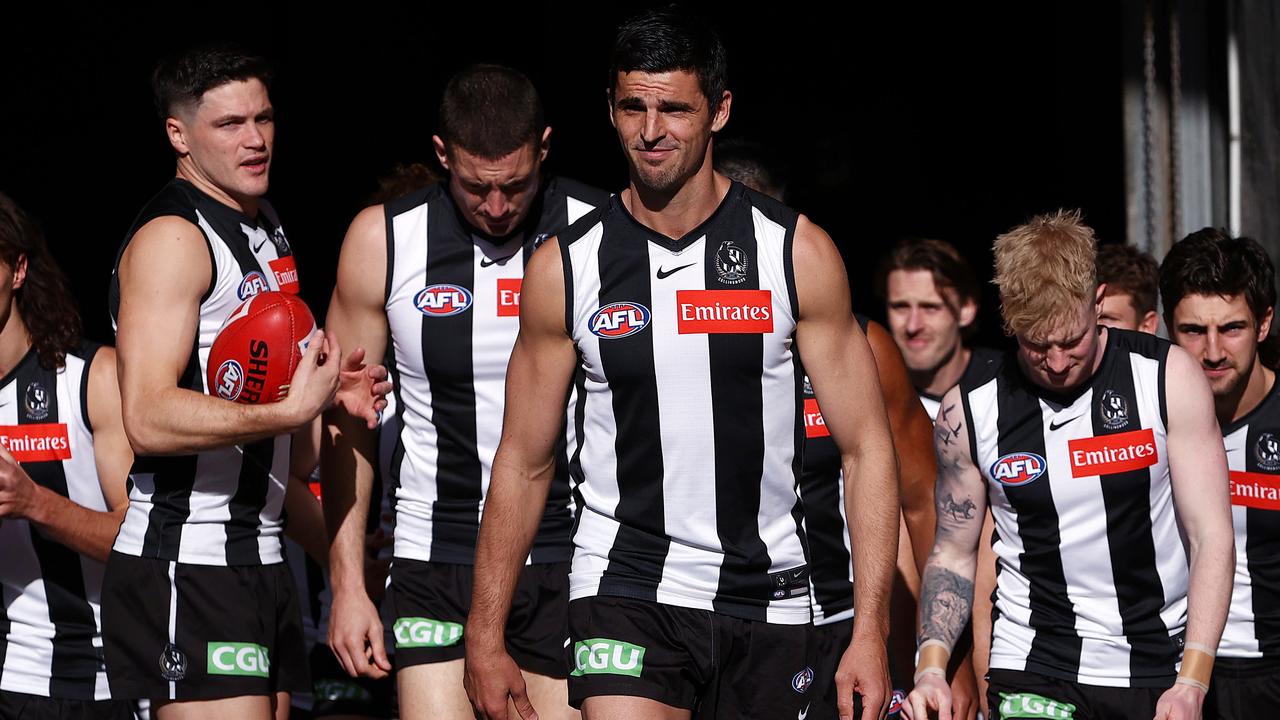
x: 1264, y: 327
x: 176, y: 131
x: 545, y: 145
x: 1100, y: 293
x: 968, y: 312
x: 721, y: 116
x: 1150, y: 323
x: 608, y: 97
x: 442, y: 154
x: 20, y: 271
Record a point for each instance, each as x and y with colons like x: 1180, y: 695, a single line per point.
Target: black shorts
x: 715, y: 665
x: 337, y: 693
x: 430, y: 602
x: 18, y: 706
x: 1017, y: 694
x: 174, y: 631
x: 1243, y: 688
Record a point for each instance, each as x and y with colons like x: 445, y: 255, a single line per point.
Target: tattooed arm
x: 946, y: 594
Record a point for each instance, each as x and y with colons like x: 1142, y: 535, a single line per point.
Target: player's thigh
x: 248, y: 707
x: 433, y: 691
x: 625, y: 707
x: 550, y: 696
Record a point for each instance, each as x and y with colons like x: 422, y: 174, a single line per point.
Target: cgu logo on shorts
x: 618, y: 320
x: 509, y: 297
x: 252, y: 284
x: 442, y: 300
x: 41, y: 442
x: 1107, y: 454
x: 244, y: 659
x: 1017, y: 468
x: 814, y: 425
x: 1255, y: 490
x: 724, y: 311
x: 415, y: 632
x: 1030, y: 705
x: 602, y: 656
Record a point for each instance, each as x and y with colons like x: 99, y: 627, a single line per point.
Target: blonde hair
x: 1045, y: 269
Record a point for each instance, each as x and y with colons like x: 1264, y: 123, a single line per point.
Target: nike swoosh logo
x: 486, y: 262
x: 803, y: 713
x: 664, y: 274
x: 258, y: 247
x: 1054, y: 426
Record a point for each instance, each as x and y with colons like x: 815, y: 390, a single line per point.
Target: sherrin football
x: 259, y: 347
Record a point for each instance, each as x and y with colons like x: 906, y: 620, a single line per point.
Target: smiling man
x: 438, y: 274
x: 685, y: 302
x: 1220, y: 298
x: 1095, y: 449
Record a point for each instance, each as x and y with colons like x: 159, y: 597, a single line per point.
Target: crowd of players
x: 605, y: 481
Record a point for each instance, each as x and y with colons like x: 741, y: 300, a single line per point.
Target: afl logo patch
x: 1114, y: 410
x: 252, y: 284
x: 731, y: 263
x: 35, y: 401
x: 618, y: 320
x: 229, y: 380
x: 1267, y: 452
x: 1017, y: 468
x: 443, y: 300
x: 803, y: 679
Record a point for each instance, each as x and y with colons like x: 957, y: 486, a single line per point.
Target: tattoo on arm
x: 946, y: 602
x: 957, y: 511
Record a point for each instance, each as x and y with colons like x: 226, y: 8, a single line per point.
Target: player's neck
x: 15, y: 342
x: 677, y: 214
x: 188, y: 171
x: 938, y: 381
x: 1252, y: 391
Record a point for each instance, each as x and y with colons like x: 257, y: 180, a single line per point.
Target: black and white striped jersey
x: 1253, y: 457
x: 825, y: 523
x: 691, y: 417
x: 1091, y: 571
x: 453, y: 306
x: 50, y: 629
x: 217, y: 507
x: 980, y: 361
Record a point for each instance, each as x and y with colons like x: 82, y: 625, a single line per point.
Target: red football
x: 259, y: 347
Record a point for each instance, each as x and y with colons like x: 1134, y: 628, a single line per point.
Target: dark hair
x: 44, y: 300
x: 491, y: 111
x: 1211, y: 262
x: 1129, y: 271
x: 402, y: 180
x: 947, y: 266
x: 751, y: 164
x: 184, y: 78
x: 669, y: 39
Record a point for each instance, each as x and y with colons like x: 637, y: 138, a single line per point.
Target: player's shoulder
x: 178, y: 199
x: 985, y: 365
x: 1139, y: 343
x: 433, y: 193
x: 583, y: 226
x: 569, y: 188
x: 767, y: 206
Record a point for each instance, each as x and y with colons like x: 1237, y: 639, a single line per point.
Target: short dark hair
x: 1129, y: 271
x: 402, y: 180
x: 490, y: 111
x: 184, y: 78
x: 751, y: 164
x: 670, y: 39
x: 44, y: 300
x: 1211, y: 262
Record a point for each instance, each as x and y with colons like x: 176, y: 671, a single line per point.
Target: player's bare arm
x: 841, y: 367
x: 88, y: 532
x: 538, y: 377
x: 946, y: 594
x: 349, y: 450
x: 163, y: 274
x: 1198, y: 472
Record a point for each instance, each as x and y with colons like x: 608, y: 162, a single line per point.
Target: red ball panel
x: 259, y: 347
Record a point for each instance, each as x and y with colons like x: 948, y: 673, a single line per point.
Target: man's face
x: 228, y: 136
x: 1222, y: 334
x: 1062, y: 357
x: 494, y: 195
x: 922, y: 321
x: 1118, y: 311
x: 665, y: 125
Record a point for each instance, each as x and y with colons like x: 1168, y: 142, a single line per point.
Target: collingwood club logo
x: 1114, y: 409
x: 731, y: 264
x: 35, y: 401
x: 1267, y: 451
x: 173, y: 663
